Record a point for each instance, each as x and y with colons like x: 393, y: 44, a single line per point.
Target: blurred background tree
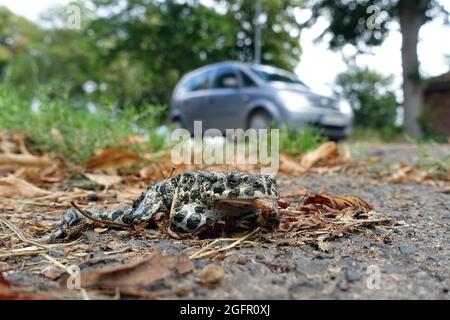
x: 369, y: 93
x: 365, y: 23
x: 167, y: 39
x: 19, y: 43
x: 134, y: 51
x: 279, y: 26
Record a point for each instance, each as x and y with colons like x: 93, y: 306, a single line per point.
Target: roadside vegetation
x: 76, y: 129
x: 65, y: 127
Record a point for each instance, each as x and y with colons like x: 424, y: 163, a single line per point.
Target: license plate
x: 333, y: 121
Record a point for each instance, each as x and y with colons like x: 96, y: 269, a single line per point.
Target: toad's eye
x: 233, y: 180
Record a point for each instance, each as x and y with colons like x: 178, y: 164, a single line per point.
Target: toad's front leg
x: 188, y: 218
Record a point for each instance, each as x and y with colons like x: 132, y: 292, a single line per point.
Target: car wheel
x: 259, y: 120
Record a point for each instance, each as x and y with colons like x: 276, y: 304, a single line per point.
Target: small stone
x: 200, y: 263
x: 312, y: 266
x: 440, y: 276
x: 123, y: 234
x: 38, y: 259
x: 352, y: 275
x: 211, y: 274
x: 366, y: 245
x: 92, y: 197
x: 98, y: 254
x: 304, y: 283
x: 348, y: 261
x: 278, y: 281
x: 407, y: 249
x: 201, y: 291
x: 252, y: 267
x: 56, y: 253
x: 51, y: 272
x: 343, y: 285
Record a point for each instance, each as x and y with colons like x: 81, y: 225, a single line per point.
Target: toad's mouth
x: 267, y: 207
x: 238, y: 201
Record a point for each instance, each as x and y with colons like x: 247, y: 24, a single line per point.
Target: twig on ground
x: 21, y: 234
x: 104, y: 222
x: 204, y: 253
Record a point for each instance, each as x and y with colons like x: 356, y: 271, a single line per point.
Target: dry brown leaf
x: 24, y: 160
x: 104, y: 179
x: 333, y: 202
x: 54, y: 173
x: 7, y: 146
x: 11, y: 186
x: 325, y: 151
x: 211, y: 274
x: 138, y: 274
x: 289, y: 165
x: 313, y: 212
x: 346, y: 214
x: 112, y: 158
x: 345, y: 153
x: 402, y: 173
x: 446, y: 189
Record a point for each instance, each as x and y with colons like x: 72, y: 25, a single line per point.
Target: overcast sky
x: 319, y: 66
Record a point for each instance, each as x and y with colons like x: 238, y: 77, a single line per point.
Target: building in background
x: 437, y: 99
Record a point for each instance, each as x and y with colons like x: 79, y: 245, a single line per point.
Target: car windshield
x: 274, y: 76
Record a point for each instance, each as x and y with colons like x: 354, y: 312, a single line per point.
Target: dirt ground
x: 414, y: 264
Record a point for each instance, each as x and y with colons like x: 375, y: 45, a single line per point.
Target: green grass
x: 296, y: 143
x: 79, y: 133
x: 83, y: 132
x: 372, y: 135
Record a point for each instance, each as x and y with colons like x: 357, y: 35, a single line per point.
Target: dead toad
x: 193, y: 201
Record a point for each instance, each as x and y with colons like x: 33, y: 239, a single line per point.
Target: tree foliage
x: 134, y: 51
x: 169, y: 38
x: 366, y: 23
x: 368, y: 91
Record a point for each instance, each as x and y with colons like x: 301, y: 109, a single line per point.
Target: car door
x: 193, y: 102
x: 224, y: 99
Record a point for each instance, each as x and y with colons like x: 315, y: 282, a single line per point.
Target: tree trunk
x: 412, y: 17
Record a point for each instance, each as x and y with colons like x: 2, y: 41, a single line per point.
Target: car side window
x: 246, y: 80
x: 198, y: 82
x: 225, y: 77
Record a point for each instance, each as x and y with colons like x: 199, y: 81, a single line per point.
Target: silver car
x: 231, y: 95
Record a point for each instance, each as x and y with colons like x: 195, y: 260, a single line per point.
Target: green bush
x: 297, y: 142
x: 371, y: 96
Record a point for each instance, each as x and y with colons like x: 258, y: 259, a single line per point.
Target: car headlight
x: 345, y: 107
x: 293, y: 101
